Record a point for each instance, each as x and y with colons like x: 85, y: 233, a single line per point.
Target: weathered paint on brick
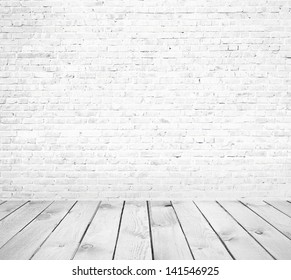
x: 145, y: 99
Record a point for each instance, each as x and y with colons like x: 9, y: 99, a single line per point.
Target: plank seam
x: 150, y: 231
x: 265, y: 220
x: 118, y: 231
x: 85, y: 231
x: 37, y: 249
x: 182, y: 230
x: 27, y: 224
x: 14, y: 210
x: 277, y: 208
x: 224, y: 245
x: 246, y: 230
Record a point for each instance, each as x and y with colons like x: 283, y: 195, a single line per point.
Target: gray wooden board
x: 65, y: 239
x: 9, y: 207
x: 271, y: 239
x: 241, y: 245
x: 134, y: 237
x: 100, y: 239
x: 26, y: 242
x: 55, y: 232
x: 19, y: 219
x: 203, y: 241
x: 168, y: 239
x: 271, y: 215
x: 283, y: 206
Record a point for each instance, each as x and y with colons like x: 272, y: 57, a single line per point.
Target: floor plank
x: 203, y: 241
x: 65, y: 239
x: 19, y: 219
x: 167, y: 236
x: 241, y: 245
x: 283, y: 206
x: 271, y: 215
x: 99, y: 241
x: 134, y: 237
x: 25, y: 243
x: 9, y: 207
x: 137, y: 230
x: 274, y: 242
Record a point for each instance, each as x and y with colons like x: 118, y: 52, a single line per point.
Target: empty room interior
x: 145, y: 130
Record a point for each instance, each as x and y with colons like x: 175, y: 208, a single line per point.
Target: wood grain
x: 63, y: 242
x: 134, y: 237
x: 27, y: 241
x: 99, y: 241
x: 283, y: 206
x: 271, y: 215
x: 137, y: 230
x: 241, y: 245
x: 272, y: 240
x: 203, y: 241
x: 20, y: 219
x: 9, y: 207
x: 169, y: 242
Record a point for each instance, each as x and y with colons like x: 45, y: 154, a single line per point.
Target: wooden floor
x: 145, y: 230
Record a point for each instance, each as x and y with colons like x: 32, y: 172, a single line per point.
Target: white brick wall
x: 145, y: 99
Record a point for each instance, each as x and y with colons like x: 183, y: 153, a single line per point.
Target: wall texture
x: 145, y: 99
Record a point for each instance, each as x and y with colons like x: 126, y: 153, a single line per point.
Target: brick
x: 145, y: 99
